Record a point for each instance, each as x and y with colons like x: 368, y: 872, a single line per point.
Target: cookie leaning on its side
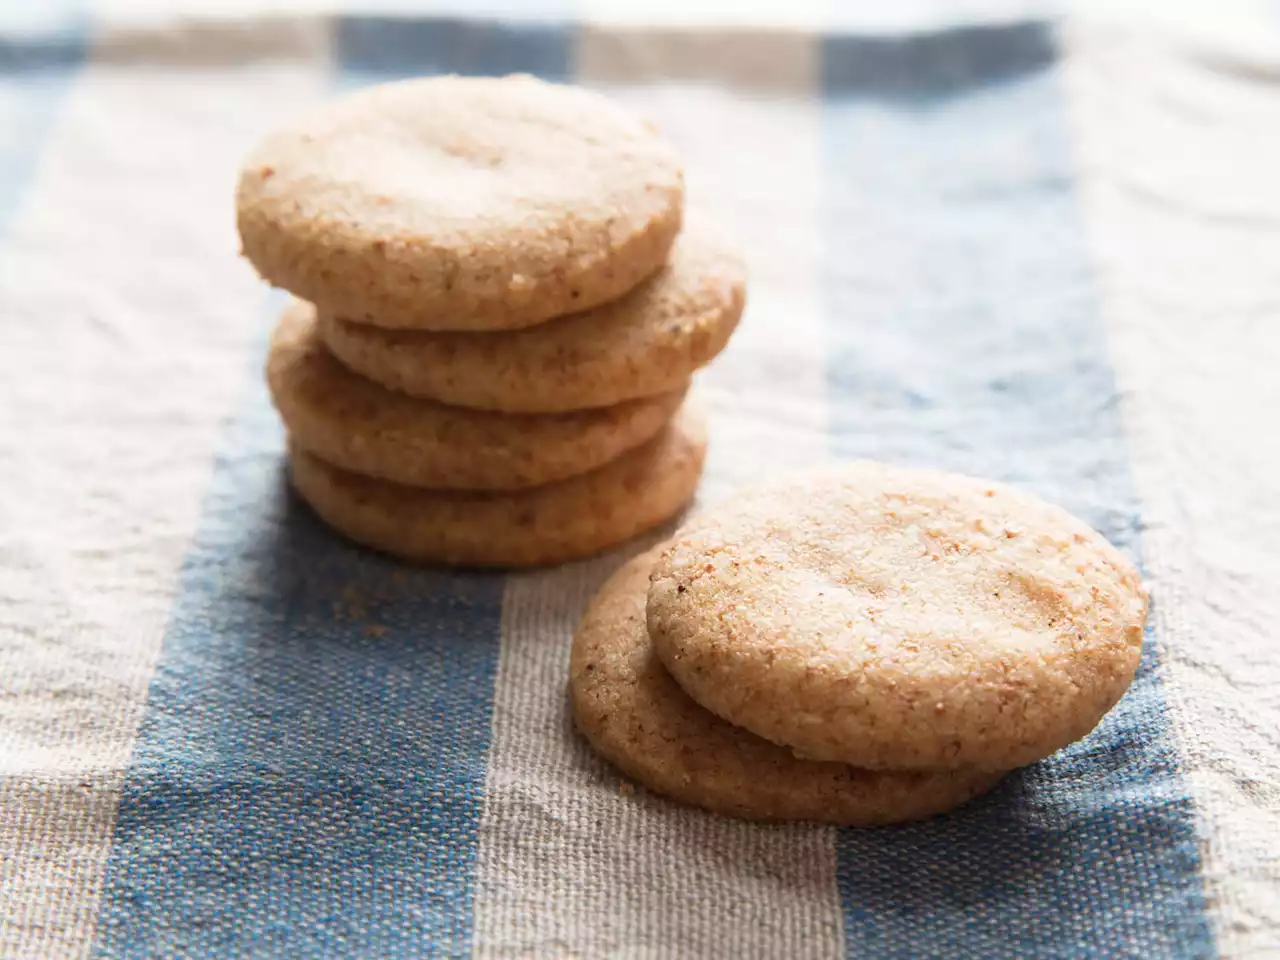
x: 899, y: 619
x: 864, y: 644
x: 634, y: 714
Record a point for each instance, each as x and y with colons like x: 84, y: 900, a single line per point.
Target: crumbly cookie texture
x: 896, y: 618
x: 461, y: 203
x: 650, y: 341
x: 636, y: 716
x: 355, y: 424
x: 561, y: 521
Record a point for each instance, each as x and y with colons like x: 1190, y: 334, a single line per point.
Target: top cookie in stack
x: 503, y: 305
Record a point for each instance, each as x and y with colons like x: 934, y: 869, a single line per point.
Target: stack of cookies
x: 864, y: 645
x: 501, y: 304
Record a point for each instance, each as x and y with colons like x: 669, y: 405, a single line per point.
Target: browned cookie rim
x: 561, y: 521
x: 650, y: 341
x: 360, y: 426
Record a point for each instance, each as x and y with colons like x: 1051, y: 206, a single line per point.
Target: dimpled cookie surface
x: 465, y: 203
x: 897, y: 618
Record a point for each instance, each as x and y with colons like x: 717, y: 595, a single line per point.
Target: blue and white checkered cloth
x: 1046, y: 251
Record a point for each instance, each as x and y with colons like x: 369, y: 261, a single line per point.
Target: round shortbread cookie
x: 636, y: 716
x: 650, y: 341
x: 550, y: 524
x: 897, y: 618
x: 461, y: 203
x: 355, y: 424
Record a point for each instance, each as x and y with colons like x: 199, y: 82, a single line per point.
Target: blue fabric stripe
x: 918, y: 65
x: 385, y: 47
x: 308, y: 778
x: 964, y: 332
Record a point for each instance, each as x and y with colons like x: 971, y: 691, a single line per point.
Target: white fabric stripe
x: 568, y: 864
x: 127, y: 320
x: 1179, y: 159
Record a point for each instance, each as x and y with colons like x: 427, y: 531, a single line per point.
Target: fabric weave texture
x: 1040, y: 249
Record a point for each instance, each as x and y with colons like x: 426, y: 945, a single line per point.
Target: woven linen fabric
x: 1038, y: 249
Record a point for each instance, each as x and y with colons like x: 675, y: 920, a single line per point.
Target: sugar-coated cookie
x: 650, y: 341
x: 560, y: 521
x: 355, y: 424
x: 899, y: 618
x: 636, y: 716
x: 461, y: 203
